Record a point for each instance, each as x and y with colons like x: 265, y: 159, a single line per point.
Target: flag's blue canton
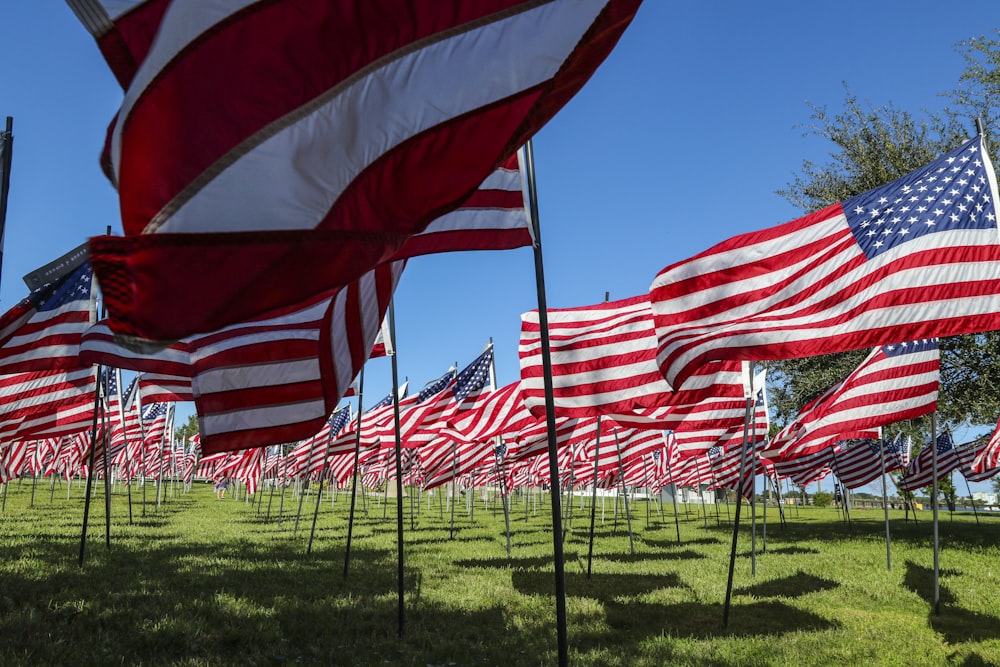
x: 760, y: 397
x: 129, y: 394
x: 435, y: 386
x: 153, y: 411
x: 898, y: 444
x: 656, y: 456
x: 912, y: 347
x: 944, y: 442
x: 500, y: 450
x: 950, y: 193
x: 384, y: 402
x: 73, y: 287
x: 474, y: 376
x: 110, y: 382
x: 340, y: 418
x: 875, y: 446
x: 714, y: 451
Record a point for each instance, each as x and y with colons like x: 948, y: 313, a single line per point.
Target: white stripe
x: 264, y: 417
x: 291, y: 179
x: 258, y: 375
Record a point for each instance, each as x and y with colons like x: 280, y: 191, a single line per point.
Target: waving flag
x: 604, y: 363
x: 920, y: 473
x: 266, y: 178
x: 989, y: 456
x: 893, y: 383
x: 912, y: 259
x: 43, y: 331
x: 861, y: 463
x: 970, y: 454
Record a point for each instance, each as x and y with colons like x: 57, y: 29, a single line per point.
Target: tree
x: 188, y: 430
x: 874, y: 145
x: 946, y: 487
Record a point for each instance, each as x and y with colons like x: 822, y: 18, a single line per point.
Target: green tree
x: 188, y: 429
x: 874, y: 145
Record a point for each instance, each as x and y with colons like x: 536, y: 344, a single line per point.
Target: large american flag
x: 912, y: 259
x: 604, y: 363
x: 42, y: 332
x: 347, y: 151
x: 894, y: 383
x: 46, y: 403
x: 271, y: 380
x: 920, y: 472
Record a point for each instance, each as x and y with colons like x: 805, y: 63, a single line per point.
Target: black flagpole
x: 550, y: 417
x: 885, y: 507
x: 934, y: 505
x: 593, y: 497
x: 6, y: 153
x: 319, y: 495
x: 354, y: 476
x: 739, y: 505
x: 90, y: 471
x: 399, y: 475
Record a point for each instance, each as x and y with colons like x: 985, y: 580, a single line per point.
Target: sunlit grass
x: 198, y: 581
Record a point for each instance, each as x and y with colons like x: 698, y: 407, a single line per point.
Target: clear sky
x: 679, y: 141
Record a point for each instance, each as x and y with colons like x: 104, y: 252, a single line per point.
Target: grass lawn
x: 201, y: 581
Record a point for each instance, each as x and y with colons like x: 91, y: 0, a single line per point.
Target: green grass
x: 206, y: 582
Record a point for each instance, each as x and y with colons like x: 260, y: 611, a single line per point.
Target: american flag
x: 310, y: 211
x: 53, y: 402
x: 43, y: 331
x: 158, y: 387
x: 914, y: 258
x: 861, y: 463
x: 424, y: 421
x: 604, y: 363
x: 725, y: 465
x: 445, y: 461
x: 271, y: 380
x: 969, y: 454
x: 807, y: 468
x: 501, y: 412
x: 894, y: 383
x: 988, y: 457
x: 920, y: 472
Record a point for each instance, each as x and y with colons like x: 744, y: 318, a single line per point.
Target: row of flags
x: 303, y: 263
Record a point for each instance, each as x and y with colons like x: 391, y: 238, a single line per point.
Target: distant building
x: 985, y: 498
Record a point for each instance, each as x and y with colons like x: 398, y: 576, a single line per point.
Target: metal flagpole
x: 971, y: 499
x: 90, y: 473
x: 354, y: 473
x: 934, y: 505
x: 319, y: 494
x: 673, y: 496
x: 885, y: 508
x: 628, y: 513
x: 107, y: 480
x: 399, y: 477
x: 550, y: 416
x: 454, y: 490
x: 6, y: 153
x: 302, y: 491
x: 739, y: 505
x: 843, y: 491
x: 593, y: 496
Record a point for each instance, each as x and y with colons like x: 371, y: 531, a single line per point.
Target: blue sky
x: 679, y: 141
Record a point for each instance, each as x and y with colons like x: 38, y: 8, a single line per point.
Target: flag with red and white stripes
x: 311, y: 212
x: 914, y: 258
x: 893, y: 383
x: 988, y: 457
x: 861, y: 463
x: 920, y: 472
x: 604, y: 363
x: 969, y: 454
x: 42, y: 332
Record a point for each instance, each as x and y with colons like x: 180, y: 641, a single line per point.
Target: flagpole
x: 739, y: 505
x: 593, y: 495
x: 302, y: 491
x: 319, y: 494
x: 673, y: 497
x: 399, y: 475
x: 90, y: 475
x: 107, y: 479
x: 6, y: 153
x: 354, y: 476
x: 971, y: 499
x: 628, y: 513
x: 885, y: 508
x: 934, y: 506
x: 550, y: 417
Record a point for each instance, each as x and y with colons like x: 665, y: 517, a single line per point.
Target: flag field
x: 202, y: 581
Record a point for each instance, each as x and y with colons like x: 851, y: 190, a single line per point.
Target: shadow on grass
x: 792, y: 551
x: 797, y: 585
x: 701, y: 620
x: 668, y: 544
x: 686, y: 554
x: 954, y: 623
x: 603, y: 587
x: 523, y: 563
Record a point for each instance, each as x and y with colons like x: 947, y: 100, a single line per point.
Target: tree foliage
x: 872, y: 146
x: 188, y: 429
